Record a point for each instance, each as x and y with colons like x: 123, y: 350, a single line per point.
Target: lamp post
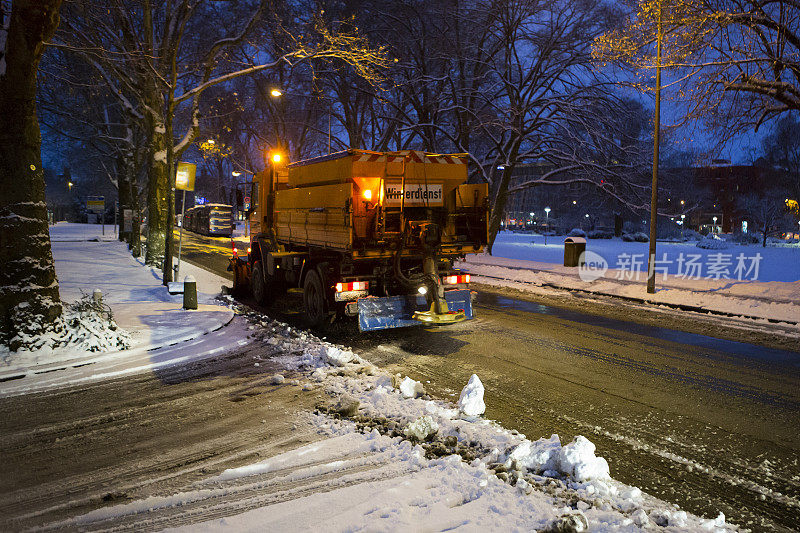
x: 683, y: 217
x: 547, y: 223
x: 651, y: 271
x: 714, y: 226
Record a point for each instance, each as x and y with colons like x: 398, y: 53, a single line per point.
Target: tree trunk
x: 500, y: 199
x: 123, y: 195
x: 29, y: 299
x: 157, y: 192
x: 170, y: 203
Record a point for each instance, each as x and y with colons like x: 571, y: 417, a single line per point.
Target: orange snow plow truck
x: 366, y: 234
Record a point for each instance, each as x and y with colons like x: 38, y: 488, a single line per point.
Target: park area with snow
x: 745, y: 280
x: 388, y: 456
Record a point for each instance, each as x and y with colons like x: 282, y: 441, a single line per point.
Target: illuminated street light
x: 276, y: 93
x: 212, y: 142
x: 69, y: 184
x: 276, y: 157
x: 236, y: 173
x: 547, y: 218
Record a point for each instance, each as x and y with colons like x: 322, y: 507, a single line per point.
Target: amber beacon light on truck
x: 371, y: 235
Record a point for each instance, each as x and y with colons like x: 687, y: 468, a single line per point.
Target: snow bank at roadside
x: 766, y: 300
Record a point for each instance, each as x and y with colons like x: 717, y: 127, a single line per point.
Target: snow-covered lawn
x: 619, y: 269
x: 777, y: 263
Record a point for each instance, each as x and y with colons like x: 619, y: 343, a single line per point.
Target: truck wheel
x: 314, y: 300
x: 259, y: 283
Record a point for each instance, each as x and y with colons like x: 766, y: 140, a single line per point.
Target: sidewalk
x: 85, y: 260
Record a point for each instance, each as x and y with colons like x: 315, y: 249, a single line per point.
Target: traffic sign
x: 96, y: 204
x: 184, y: 176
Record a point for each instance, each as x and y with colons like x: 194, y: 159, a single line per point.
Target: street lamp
x: 714, y: 227
x: 276, y: 93
x: 547, y: 223
x: 236, y: 173
x: 683, y: 217
x: 69, y: 184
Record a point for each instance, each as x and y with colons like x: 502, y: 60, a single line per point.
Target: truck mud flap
x: 397, y: 311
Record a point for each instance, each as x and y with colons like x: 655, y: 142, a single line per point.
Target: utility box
x: 573, y: 248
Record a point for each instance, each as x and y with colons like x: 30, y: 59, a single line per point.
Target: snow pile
x: 539, y: 456
x: 471, y: 400
x: 578, y: 461
x: 321, y: 354
x: 712, y: 243
x: 422, y: 428
x: 410, y: 388
x: 542, y: 473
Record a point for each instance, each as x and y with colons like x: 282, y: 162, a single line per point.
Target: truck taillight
x: 456, y: 280
x: 352, y: 286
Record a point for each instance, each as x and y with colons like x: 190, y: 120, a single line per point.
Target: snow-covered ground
x: 686, y: 275
x: 776, y: 263
x: 391, y: 457
x: 141, y: 305
x: 394, y: 459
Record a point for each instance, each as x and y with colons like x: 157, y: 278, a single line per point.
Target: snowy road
x: 104, y: 442
x: 708, y: 424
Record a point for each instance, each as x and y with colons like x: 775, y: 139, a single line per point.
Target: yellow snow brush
x: 434, y: 318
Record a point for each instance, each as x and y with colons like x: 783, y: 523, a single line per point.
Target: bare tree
x: 29, y: 298
x: 782, y: 150
x: 768, y: 212
x: 736, y: 62
x: 141, y: 46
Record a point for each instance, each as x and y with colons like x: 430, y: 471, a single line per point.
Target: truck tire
x: 259, y: 284
x: 314, y: 301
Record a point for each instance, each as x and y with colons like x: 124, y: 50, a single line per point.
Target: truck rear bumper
x: 397, y: 311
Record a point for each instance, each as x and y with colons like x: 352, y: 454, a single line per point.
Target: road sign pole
x: 180, y: 234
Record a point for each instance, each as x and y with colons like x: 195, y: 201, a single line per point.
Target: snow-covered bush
x: 630, y: 227
x: 691, y: 235
x: 712, y: 243
x: 576, y: 232
x: 635, y: 237
x: 87, y: 325
x: 745, y: 238
x: 600, y: 234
